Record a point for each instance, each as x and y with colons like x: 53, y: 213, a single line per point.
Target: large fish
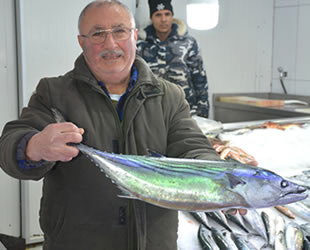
x: 194, y: 185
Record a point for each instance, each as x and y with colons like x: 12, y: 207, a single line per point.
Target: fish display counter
x: 279, y: 145
x: 237, y: 107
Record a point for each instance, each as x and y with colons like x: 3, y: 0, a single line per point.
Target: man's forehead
x: 94, y: 18
x: 162, y: 12
x: 102, y: 27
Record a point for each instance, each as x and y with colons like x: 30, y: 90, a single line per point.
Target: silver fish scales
x: 194, y: 185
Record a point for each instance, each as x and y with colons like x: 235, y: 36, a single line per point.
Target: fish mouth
x: 294, y: 196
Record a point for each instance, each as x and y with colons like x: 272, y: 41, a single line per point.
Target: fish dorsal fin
x: 234, y: 180
x: 123, y: 196
x: 58, y: 115
x: 154, y: 154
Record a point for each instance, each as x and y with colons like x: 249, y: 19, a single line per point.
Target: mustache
x: 106, y: 52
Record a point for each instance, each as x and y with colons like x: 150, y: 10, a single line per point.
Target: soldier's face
x: 162, y: 21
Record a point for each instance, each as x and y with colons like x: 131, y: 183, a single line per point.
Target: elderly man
x: 174, y: 55
x: 111, y: 101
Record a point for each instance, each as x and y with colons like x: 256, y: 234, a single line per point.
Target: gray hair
x: 99, y: 3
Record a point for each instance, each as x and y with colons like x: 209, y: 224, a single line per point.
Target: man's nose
x: 109, y: 40
x: 163, y: 18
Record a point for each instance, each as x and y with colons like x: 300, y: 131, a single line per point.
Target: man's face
x: 98, y: 57
x: 162, y: 21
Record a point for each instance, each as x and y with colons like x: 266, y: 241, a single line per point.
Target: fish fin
x: 154, y: 154
x: 234, y: 180
x: 124, y: 196
x: 58, y: 115
x: 232, y: 160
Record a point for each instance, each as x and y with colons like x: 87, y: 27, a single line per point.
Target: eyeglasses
x: 118, y: 34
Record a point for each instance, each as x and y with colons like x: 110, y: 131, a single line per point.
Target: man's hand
x: 51, y: 143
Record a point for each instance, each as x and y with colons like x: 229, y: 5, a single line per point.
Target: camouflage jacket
x: 178, y: 60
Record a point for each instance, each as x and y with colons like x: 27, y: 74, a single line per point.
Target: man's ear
x: 79, y: 37
x: 136, y: 34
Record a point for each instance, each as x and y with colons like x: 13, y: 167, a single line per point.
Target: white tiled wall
x: 291, y: 48
x: 9, y: 187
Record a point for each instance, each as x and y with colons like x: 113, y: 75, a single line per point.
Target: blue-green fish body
x: 194, y: 185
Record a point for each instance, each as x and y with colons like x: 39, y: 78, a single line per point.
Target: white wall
x: 9, y: 187
x: 291, y: 46
x: 49, y: 39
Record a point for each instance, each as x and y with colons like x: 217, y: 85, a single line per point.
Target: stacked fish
x: 255, y: 230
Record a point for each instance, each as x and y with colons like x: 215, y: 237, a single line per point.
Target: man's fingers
x: 66, y: 127
x: 234, y: 211
x: 71, y: 137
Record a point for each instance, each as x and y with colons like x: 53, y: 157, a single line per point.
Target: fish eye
x: 284, y: 184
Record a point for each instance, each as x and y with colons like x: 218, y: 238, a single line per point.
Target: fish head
x: 265, y: 188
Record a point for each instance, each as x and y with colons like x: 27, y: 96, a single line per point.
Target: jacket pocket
x: 51, y: 220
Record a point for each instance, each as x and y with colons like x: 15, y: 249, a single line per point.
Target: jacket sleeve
x: 185, y: 138
x: 33, y: 119
x: 199, y: 79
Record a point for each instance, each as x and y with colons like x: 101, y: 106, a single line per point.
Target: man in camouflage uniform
x: 174, y: 55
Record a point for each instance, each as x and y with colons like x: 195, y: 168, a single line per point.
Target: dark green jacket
x: 80, y: 208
